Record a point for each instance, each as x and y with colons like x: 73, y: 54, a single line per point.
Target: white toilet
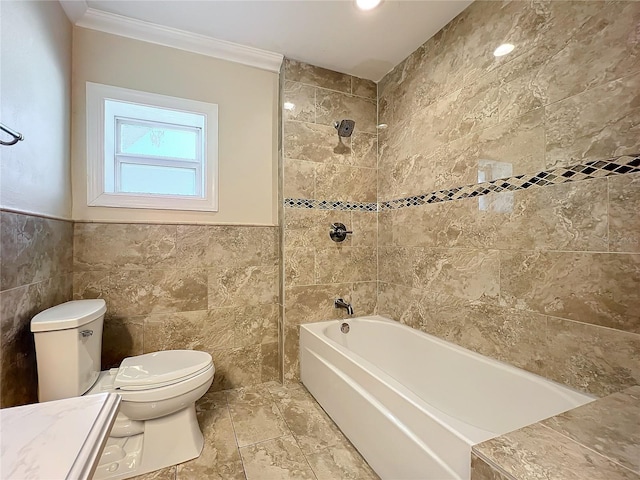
x: 157, y: 425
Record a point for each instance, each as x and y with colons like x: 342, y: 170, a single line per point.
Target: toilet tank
x: 68, y: 340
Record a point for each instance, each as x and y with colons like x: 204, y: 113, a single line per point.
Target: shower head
x: 345, y: 127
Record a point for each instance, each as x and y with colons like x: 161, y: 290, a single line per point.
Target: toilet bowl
x: 156, y: 426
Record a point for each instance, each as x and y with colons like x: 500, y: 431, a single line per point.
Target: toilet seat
x: 159, y: 369
x: 106, y: 381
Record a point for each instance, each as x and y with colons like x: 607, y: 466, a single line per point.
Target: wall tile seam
x: 557, y: 176
x: 479, y: 302
x: 586, y: 90
x: 33, y: 284
x: 610, y: 330
x: 374, y: 99
x: 331, y: 163
x: 500, y: 84
x: 586, y: 447
x: 172, y: 223
x: 117, y: 270
x: 543, y: 107
x: 506, y: 250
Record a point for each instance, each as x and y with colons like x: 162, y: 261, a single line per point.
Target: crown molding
x: 74, y: 9
x: 83, y: 16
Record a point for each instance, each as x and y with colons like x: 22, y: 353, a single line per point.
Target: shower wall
x: 541, y: 271
x: 326, y: 179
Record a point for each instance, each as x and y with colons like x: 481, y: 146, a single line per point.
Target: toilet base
x: 165, y: 441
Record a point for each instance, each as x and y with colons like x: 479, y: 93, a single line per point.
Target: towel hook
x: 17, y: 136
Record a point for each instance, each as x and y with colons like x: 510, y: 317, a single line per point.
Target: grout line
x: 600, y: 454
x: 509, y: 307
x: 483, y: 248
x: 233, y: 427
x: 295, y: 438
x: 338, y: 91
x: 608, y: 216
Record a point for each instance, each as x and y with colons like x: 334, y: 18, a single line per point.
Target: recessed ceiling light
x: 503, y: 49
x: 367, y: 4
x: 289, y: 106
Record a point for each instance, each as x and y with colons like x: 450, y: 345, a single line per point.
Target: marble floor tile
x: 277, y: 459
x: 246, y: 438
x: 168, y: 473
x: 220, y: 457
x: 255, y: 416
x: 341, y: 461
x: 310, y: 425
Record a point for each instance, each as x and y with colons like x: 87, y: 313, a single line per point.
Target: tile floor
x: 268, y: 432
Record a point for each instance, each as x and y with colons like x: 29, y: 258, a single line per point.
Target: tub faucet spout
x: 340, y: 303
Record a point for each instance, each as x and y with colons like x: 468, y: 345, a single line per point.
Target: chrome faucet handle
x: 338, y: 232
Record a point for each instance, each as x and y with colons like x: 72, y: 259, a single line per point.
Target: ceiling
x: 329, y: 33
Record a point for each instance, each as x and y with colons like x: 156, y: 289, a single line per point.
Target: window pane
x: 159, y: 180
x: 160, y: 140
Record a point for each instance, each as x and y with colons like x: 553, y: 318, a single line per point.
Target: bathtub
x: 413, y: 404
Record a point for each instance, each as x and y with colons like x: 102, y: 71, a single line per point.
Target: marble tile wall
x: 35, y: 274
x: 319, y: 165
x: 210, y: 288
x: 546, y: 278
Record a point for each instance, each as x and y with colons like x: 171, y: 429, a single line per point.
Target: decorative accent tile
x: 330, y: 205
x: 582, y: 171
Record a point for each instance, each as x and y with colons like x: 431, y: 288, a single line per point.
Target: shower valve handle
x: 338, y: 232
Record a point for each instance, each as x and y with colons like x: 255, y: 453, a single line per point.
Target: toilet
x: 156, y: 426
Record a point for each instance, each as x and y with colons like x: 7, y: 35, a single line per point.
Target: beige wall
x: 35, y: 99
x: 248, y: 102
x: 35, y: 252
x: 547, y: 279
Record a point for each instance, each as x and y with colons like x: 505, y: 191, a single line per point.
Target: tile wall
x: 210, y: 288
x: 320, y: 166
x: 35, y: 274
x: 546, y: 278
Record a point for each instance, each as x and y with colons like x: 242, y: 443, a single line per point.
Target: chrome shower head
x: 345, y: 127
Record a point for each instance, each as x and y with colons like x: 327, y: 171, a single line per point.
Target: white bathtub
x: 412, y: 404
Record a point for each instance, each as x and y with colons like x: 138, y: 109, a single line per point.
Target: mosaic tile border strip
x: 582, y: 171
x: 575, y: 173
x: 330, y: 205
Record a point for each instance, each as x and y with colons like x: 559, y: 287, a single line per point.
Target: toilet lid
x: 158, y: 369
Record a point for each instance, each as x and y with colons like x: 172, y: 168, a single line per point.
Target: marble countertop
x: 599, y: 440
x: 62, y: 439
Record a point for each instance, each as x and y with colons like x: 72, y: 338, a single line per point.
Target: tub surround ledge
x: 599, y: 440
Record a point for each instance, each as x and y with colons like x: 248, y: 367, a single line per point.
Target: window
x: 150, y: 151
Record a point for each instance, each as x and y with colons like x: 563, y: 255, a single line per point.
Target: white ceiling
x: 329, y: 33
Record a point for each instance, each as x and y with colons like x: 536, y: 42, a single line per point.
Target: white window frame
x: 101, y: 154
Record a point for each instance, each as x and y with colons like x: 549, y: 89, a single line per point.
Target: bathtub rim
x: 453, y: 424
